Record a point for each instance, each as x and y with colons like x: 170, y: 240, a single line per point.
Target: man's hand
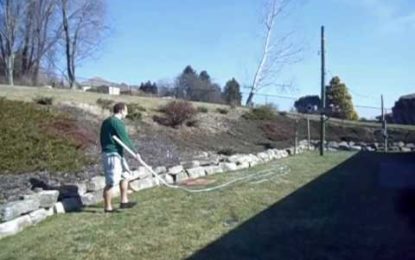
x: 138, y: 157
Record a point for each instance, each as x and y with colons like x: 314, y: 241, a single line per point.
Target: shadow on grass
x: 346, y: 213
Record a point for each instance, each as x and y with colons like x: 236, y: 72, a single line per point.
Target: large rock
x: 96, y: 183
x: 14, y: 226
x: 182, y: 176
x: 160, y: 170
x: 405, y: 149
x: 227, y: 167
x: 196, y: 172
x: 191, y: 164
x: 284, y: 154
x: 142, y: 184
x: 271, y: 153
x: 333, y: 144
x: 175, y: 170
x: 236, y: 158
x: 168, y: 178
x: 92, y: 198
x: 344, y: 146
x: 142, y: 172
x: 410, y: 145
x: 264, y: 156
x: 81, y: 188
x: 355, y: 148
x: 213, y: 169
x: 38, y: 216
x: 243, y: 165
x: 14, y: 209
x: 46, y: 198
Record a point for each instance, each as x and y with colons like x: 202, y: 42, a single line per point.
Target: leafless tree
x: 83, y: 25
x: 277, y: 50
x: 10, y: 21
x: 41, y: 33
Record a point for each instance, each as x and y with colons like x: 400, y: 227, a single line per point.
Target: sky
x: 369, y: 45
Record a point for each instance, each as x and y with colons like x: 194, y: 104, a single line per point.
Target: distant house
x: 109, y: 90
x: 85, y: 88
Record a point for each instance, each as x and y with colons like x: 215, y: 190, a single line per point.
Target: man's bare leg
x: 108, y: 198
x: 124, y: 191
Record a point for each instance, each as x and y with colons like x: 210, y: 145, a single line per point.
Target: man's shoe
x: 111, y: 211
x: 127, y: 205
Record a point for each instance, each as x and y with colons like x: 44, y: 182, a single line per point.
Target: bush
x: 175, y: 113
x: 105, y: 103
x: 202, y: 109
x: 223, y: 111
x: 134, y: 112
x: 227, y: 151
x: 192, y: 123
x: 46, y: 101
x: 265, y: 112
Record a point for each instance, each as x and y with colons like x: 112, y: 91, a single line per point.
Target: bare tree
x: 10, y: 21
x: 82, y: 22
x: 276, y: 51
x: 41, y: 33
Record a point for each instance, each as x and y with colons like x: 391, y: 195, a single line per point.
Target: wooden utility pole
x: 323, y: 93
x: 384, y: 126
x: 308, y: 133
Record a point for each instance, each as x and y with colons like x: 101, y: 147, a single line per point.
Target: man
x: 113, y: 160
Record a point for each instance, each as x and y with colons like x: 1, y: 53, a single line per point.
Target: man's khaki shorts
x: 115, y: 168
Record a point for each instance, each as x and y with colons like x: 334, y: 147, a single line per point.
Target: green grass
x: 27, y: 144
x: 168, y: 224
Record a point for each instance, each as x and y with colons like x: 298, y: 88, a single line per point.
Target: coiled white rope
x: 282, y: 171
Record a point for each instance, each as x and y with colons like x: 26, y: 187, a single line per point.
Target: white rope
x: 250, y: 176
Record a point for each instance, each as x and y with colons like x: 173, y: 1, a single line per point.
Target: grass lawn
x: 324, y: 208
x: 168, y: 224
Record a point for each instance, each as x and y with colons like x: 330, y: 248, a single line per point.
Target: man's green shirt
x: 114, y: 126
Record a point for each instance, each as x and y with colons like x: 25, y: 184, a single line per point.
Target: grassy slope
x: 30, y: 140
x: 167, y: 224
x: 60, y: 95
x: 28, y: 93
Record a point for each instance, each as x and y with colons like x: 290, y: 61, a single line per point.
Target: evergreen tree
x: 232, y: 93
x: 339, y: 101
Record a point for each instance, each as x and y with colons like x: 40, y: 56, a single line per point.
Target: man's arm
x: 123, y: 135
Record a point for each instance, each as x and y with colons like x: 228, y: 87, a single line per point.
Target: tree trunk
x: 10, y: 65
x: 71, y: 77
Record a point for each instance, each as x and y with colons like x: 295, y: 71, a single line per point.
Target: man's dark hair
x: 119, y: 107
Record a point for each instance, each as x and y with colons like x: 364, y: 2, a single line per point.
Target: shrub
x: 227, y: 151
x: 223, y: 111
x: 134, y: 112
x: 202, y: 109
x: 46, y: 101
x: 105, y: 103
x: 175, y: 113
x: 192, y: 123
x: 135, y: 116
x: 265, y: 112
